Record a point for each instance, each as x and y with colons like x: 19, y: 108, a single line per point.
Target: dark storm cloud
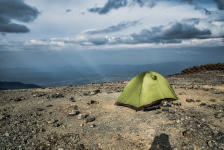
x: 220, y: 4
x: 172, y: 33
x: 7, y: 27
x: 98, y: 41
x: 119, y: 27
x: 111, y: 4
x: 13, y: 28
x: 116, y: 4
x: 15, y: 10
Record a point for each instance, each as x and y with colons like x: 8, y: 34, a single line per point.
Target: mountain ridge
x: 16, y: 85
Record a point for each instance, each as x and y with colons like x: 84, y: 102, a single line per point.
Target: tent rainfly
x: 146, y: 89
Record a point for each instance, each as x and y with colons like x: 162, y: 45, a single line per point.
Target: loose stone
x: 92, y: 125
x: 90, y: 119
x: 92, y: 102
x: 72, y: 99
x: 73, y: 112
x: 202, y: 104
x: 52, y: 121
x: 6, y: 134
x: 158, y: 111
x: 213, y: 100
x: 82, y: 116
x: 172, y: 118
x: 172, y: 111
x: 79, y: 147
x: 178, y: 121
x: 187, y: 134
x: 198, y: 100
x: 85, y: 93
x: 219, y: 115
x: 40, y: 109
x: 210, y: 144
x: 189, y: 100
x: 2, y: 117
x: 165, y: 109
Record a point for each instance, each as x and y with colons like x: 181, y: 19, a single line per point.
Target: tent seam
x: 141, y: 90
x: 161, y: 94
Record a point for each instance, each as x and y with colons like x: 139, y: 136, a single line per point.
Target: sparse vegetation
x: 217, y: 66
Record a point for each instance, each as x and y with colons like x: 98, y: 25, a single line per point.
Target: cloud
x: 7, y: 27
x: 220, y: 4
x: 111, y: 4
x: 197, y: 7
x: 98, y: 41
x: 193, y: 21
x: 193, y: 29
x: 45, y: 44
x: 51, y: 42
x: 174, y: 32
x: 204, y: 10
x: 68, y: 10
x: 116, y: 4
x: 119, y: 27
x: 148, y: 3
x: 16, y: 10
x: 187, y: 1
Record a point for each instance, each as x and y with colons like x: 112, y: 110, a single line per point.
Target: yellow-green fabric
x: 146, y: 88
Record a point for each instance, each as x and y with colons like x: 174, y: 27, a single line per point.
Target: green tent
x: 146, y: 89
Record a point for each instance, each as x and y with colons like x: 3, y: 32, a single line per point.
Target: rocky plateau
x: 84, y: 117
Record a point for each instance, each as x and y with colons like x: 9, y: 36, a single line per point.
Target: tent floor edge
x: 126, y: 105
x: 147, y: 105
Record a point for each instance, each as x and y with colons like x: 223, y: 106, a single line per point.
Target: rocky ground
x: 84, y: 117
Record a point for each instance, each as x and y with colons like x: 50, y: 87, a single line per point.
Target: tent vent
x: 154, y: 77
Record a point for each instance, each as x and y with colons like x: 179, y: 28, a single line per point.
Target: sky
x: 46, y: 33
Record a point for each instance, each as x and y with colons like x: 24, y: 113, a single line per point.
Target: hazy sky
x: 42, y: 33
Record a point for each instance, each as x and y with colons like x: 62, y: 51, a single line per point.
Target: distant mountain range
x: 16, y: 85
x: 75, y: 75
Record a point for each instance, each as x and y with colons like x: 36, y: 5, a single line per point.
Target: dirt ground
x: 85, y: 117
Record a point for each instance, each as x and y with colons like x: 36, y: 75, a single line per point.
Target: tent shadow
x: 161, y: 143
